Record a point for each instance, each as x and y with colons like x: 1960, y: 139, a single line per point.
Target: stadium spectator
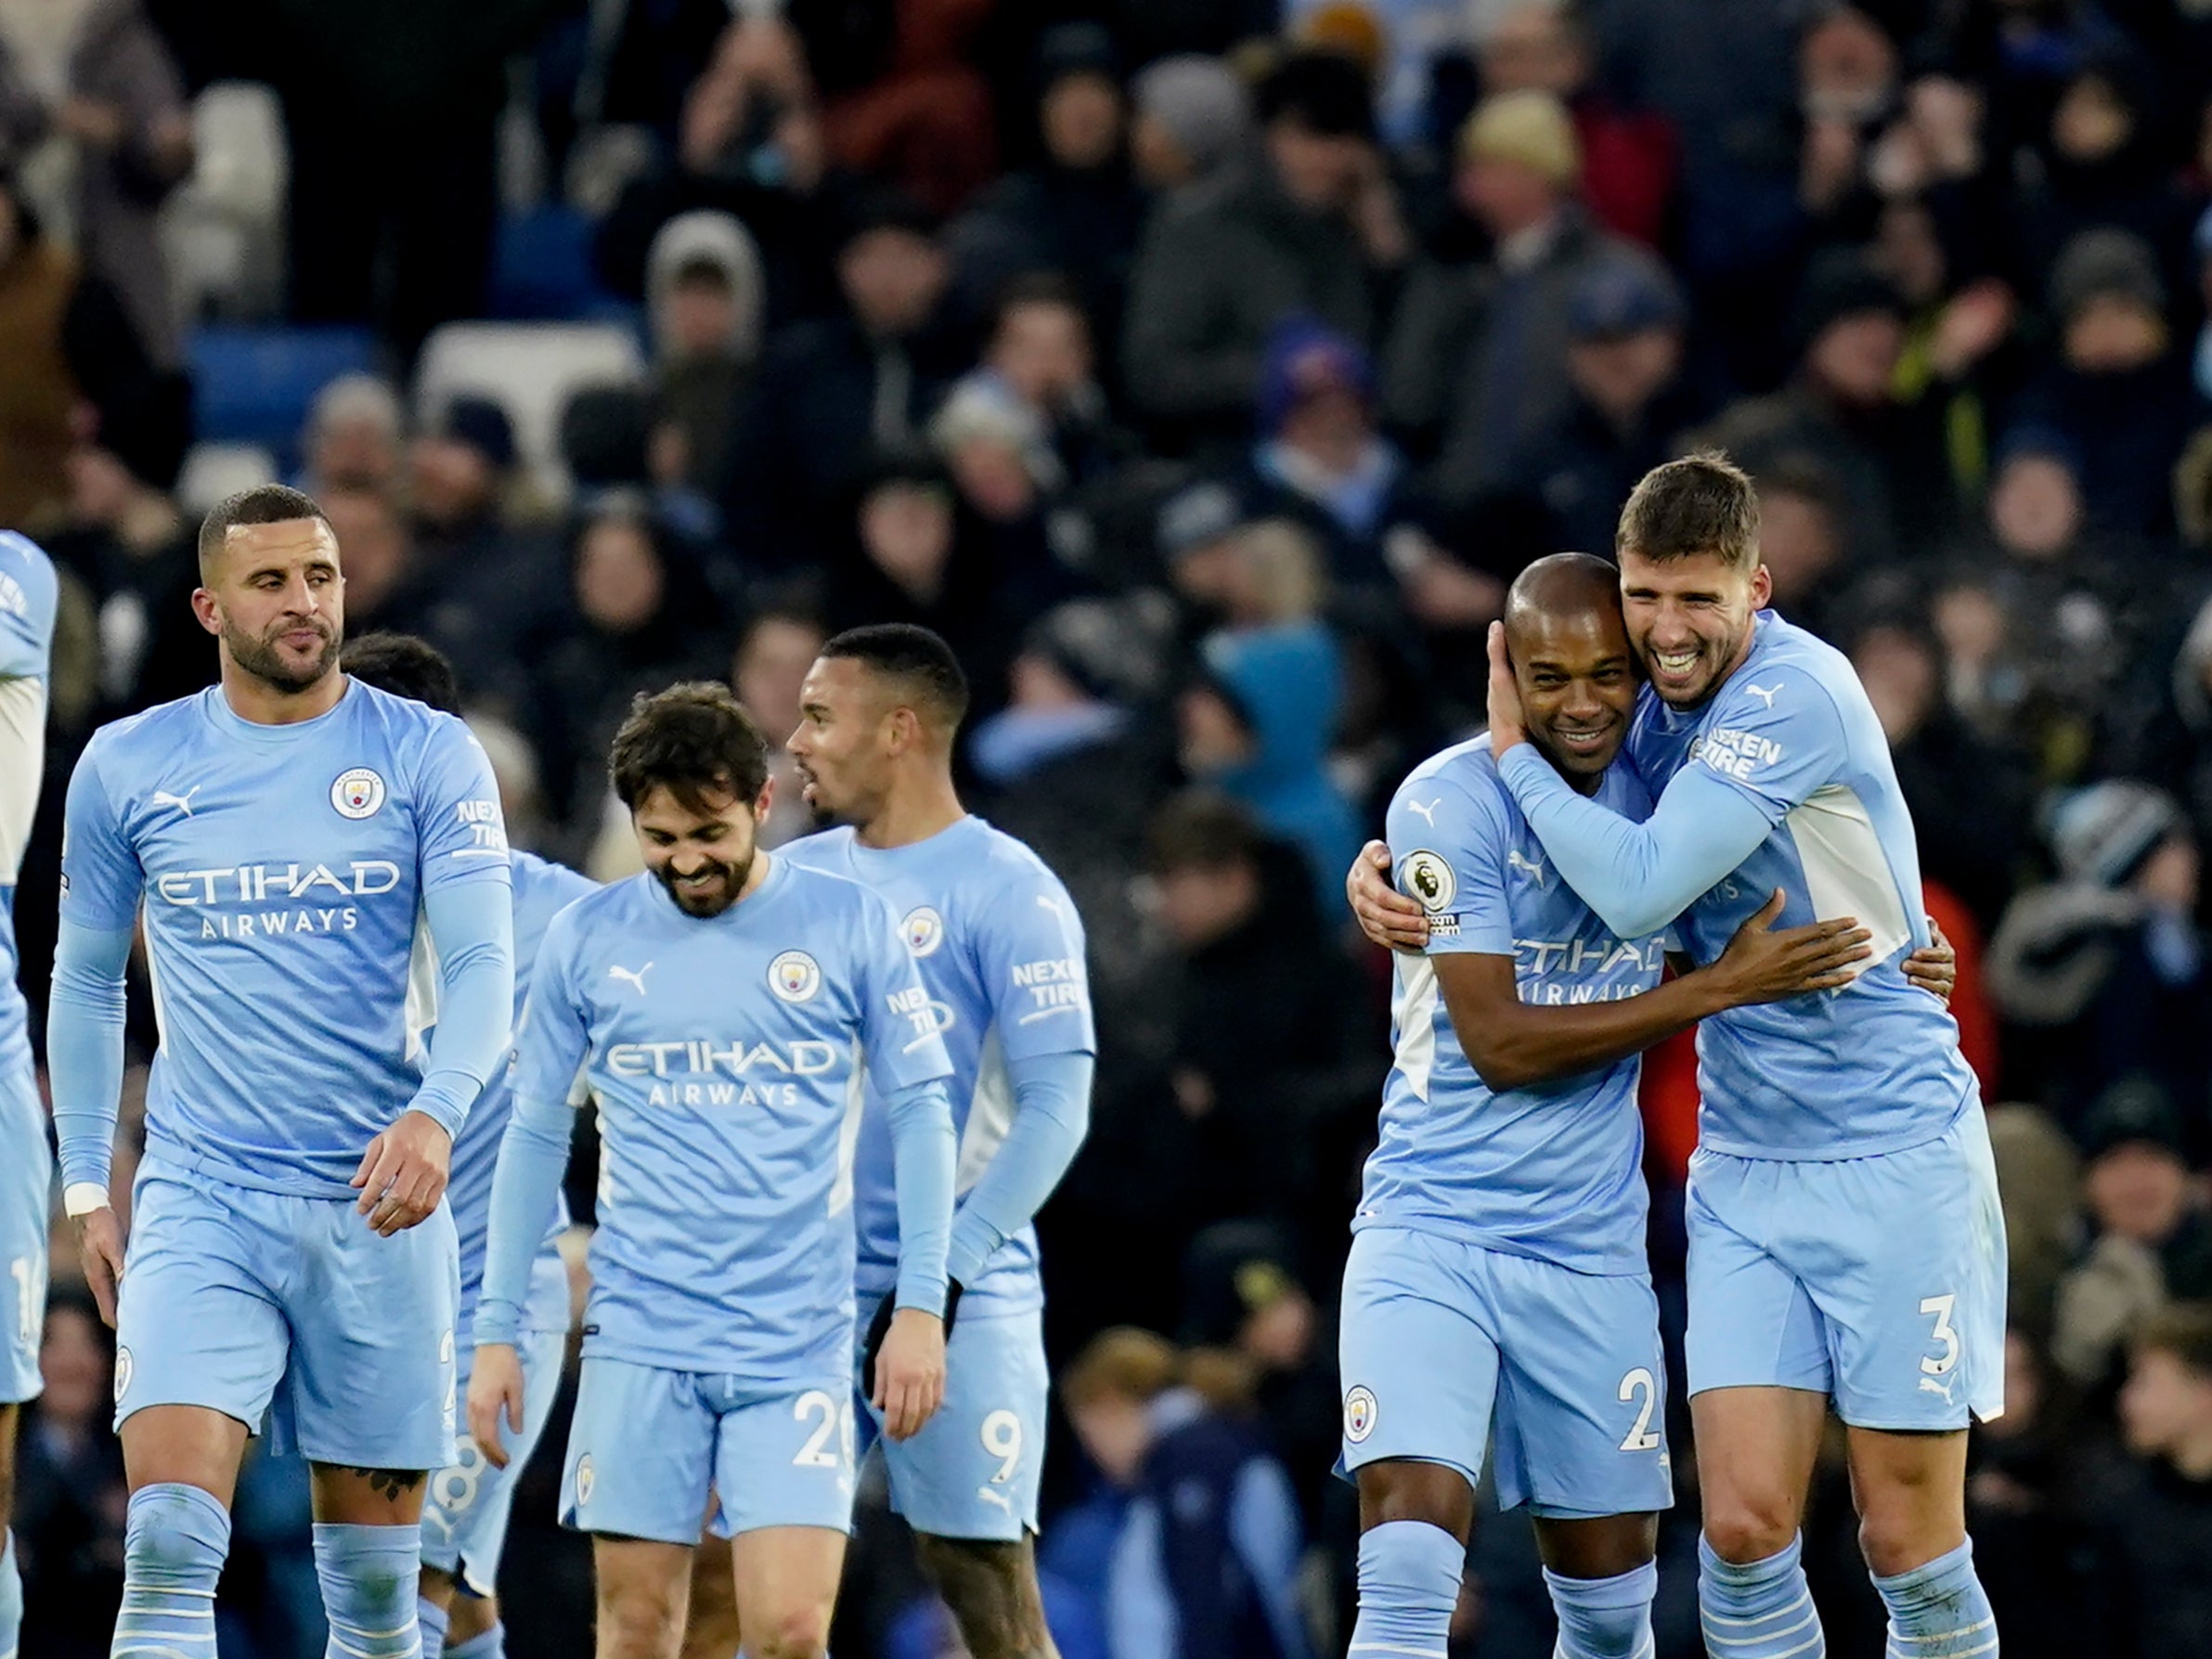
x: 353, y: 436
x: 1306, y: 224
x: 705, y: 296
x: 1192, y: 117
x: 70, y: 1491
x: 2155, y: 1513
x: 779, y: 645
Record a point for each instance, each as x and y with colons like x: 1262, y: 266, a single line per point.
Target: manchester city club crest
x: 358, y: 794
x: 584, y: 1479
x: 795, y: 976
x: 1359, y: 1414
x: 923, y: 931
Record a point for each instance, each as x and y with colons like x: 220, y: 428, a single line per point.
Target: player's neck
x: 913, y: 810
x: 257, y: 702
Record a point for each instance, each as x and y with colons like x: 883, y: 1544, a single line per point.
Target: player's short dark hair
x: 404, y: 666
x: 2182, y: 1329
x: 693, y: 740
x: 1703, y: 503
x: 1201, y: 830
x: 916, y: 656
x: 264, y: 504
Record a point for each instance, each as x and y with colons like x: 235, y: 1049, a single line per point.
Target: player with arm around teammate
x: 1000, y: 950
x: 1497, y: 1289
x: 28, y: 596
x: 465, y: 1512
x: 284, y: 836
x: 716, y: 1007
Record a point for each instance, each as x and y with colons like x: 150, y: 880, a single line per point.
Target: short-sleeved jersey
x: 29, y: 594
x: 726, y: 1056
x: 542, y: 890
x: 999, y: 947
x: 1873, y: 1067
x: 283, y: 871
x: 1552, y: 1171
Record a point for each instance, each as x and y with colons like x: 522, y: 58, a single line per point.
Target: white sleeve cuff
x: 82, y: 1198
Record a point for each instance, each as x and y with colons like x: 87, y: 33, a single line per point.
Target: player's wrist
x: 83, y: 1198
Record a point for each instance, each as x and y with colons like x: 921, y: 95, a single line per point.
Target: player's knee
x: 1748, y: 1527
x: 639, y: 1620
x: 796, y: 1632
x: 1899, y: 1539
x: 173, y: 1531
x: 1407, y: 1490
x: 473, y: 1615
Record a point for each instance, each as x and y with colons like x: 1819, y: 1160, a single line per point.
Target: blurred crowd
x: 1203, y: 372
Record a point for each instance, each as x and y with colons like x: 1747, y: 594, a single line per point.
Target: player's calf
x: 991, y: 1588
x: 1414, y: 1518
x: 1600, y: 1573
x: 644, y: 1588
x: 369, y: 1576
x: 11, y: 1582
x: 174, y: 1544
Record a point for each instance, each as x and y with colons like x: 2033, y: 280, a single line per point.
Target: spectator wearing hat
x: 830, y: 394
x: 2104, y: 972
x: 1476, y: 367
x: 1839, y: 412
x: 706, y: 295
x: 1306, y: 225
x: 2120, y: 391
x: 1629, y: 399
x: 1077, y: 209
x: 2151, y: 1231
x: 1192, y: 118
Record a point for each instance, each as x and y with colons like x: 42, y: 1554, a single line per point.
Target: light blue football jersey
x: 29, y: 596
x: 1553, y: 1171
x: 726, y: 1056
x: 282, y: 870
x: 542, y: 890
x: 999, y: 947
x: 1873, y: 1067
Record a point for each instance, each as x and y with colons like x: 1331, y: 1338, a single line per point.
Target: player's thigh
x: 184, y: 1445
x: 642, y: 1587
x: 1596, y: 1546
x: 1418, y: 1353
x: 711, y: 1631
x: 1581, y: 1391
x: 372, y: 1384
x: 1756, y: 1448
x: 465, y: 1512
x: 1910, y: 1491
x: 1905, y: 1256
x: 786, y: 1581
x: 1752, y: 1324
x: 197, y: 1324
x: 640, y: 1453
x: 786, y: 1461
x: 974, y: 1468
x: 25, y: 1180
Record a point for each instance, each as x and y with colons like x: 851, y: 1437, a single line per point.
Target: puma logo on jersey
x: 183, y: 803
x: 1765, y: 693
x: 1930, y: 1386
x: 1532, y: 868
x: 987, y: 1495
x: 1425, y: 809
x: 635, y: 976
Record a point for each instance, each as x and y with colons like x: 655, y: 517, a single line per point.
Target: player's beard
x: 735, y: 877
x: 259, y: 656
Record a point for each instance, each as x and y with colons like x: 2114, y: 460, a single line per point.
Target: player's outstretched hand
x: 1386, y: 917
x: 1935, y: 967
x: 100, y: 1245
x: 1760, y: 966
x: 495, y: 1391
x: 909, y: 1372
x: 403, y: 1174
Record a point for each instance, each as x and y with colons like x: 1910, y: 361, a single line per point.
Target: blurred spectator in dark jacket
x: 1191, y: 118
x: 780, y: 643
x: 1630, y: 158
x: 2152, y: 1231
x: 705, y: 296
x: 2104, y: 972
x: 832, y: 392
x: 70, y: 1491
x: 1078, y: 210
x: 1967, y: 799
x: 1802, y: 544
x: 353, y: 437
x: 1840, y: 411
x: 97, y: 72
x: 2156, y: 1511
x: 911, y: 109
x: 1309, y: 224
x: 2121, y: 390
x: 1477, y: 360
x: 1629, y: 399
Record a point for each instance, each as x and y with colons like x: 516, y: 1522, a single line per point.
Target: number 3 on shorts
x: 1941, y: 1306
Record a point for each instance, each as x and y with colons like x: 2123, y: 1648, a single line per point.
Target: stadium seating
x: 254, y: 384
x: 223, y: 227
x: 530, y: 369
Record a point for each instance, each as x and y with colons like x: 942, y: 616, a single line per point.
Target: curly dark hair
x: 695, y: 741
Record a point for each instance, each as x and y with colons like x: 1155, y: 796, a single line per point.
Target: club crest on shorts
x: 1429, y: 878
x: 923, y: 931
x: 358, y: 794
x: 794, y: 976
x: 123, y: 1373
x: 1359, y: 1414
x: 584, y: 1479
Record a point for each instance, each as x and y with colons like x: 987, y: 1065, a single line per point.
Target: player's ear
x: 205, y: 608
x: 1762, y: 586
x: 766, y: 799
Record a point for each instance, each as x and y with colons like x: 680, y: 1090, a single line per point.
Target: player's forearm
x: 525, y: 1190
x: 922, y: 1161
x: 472, y: 924
x: 1529, y: 1045
x: 85, y: 1018
x: 1638, y: 877
x: 1052, y: 1114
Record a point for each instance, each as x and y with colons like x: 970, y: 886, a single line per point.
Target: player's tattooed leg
x: 389, y: 1484
x: 991, y: 1588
